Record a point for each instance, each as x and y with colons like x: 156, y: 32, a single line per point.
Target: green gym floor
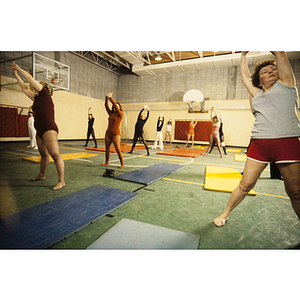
x: 178, y: 201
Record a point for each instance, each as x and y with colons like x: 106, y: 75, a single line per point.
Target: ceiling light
x: 158, y: 57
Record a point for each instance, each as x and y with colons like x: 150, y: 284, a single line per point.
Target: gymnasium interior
x: 165, y: 200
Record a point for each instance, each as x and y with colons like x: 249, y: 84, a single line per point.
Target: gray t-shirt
x: 276, y: 113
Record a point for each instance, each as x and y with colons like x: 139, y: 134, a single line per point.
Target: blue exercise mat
x: 150, y: 174
x: 45, y: 224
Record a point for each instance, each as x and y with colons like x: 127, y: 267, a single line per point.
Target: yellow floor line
x: 196, y: 183
x: 65, y: 156
x: 182, y: 181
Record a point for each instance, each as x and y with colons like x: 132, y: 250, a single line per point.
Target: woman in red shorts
x: 113, y: 134
x: 44, y: 124
x: 276, y: 132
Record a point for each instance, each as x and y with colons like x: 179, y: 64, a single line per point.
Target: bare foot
x: 39, y: 177
x: 122, y: 167
x: 59, y: 185
x: 105, y: 164
x: 220, y: 221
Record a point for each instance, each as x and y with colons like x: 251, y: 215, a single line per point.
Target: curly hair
x: 261, y: 64
x: 48, y: 87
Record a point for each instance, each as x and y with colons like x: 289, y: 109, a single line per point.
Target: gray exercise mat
x: 130, y: 234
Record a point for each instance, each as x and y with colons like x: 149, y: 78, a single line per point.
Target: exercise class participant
x: 91, y: 130
x: 169, y: 131
x: 221, y: 134
x: 31, y: 131
x: 215, y: 134
x: 276, y: 132
x: 44, y: 124
x: 191, y: 132
x: 113, y: 133
x: 139, y: 125
x: 158, y: 136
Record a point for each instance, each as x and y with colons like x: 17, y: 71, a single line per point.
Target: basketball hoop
x: 88, y: 98
x: 191, y: 97
x: 56, y: 81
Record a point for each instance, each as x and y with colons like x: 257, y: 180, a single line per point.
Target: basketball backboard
x: 193, y: 96
x: 51, y: 71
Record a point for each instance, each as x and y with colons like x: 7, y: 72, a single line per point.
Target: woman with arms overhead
x: 276, y: 132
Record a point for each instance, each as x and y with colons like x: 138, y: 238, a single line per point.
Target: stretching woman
x: 90, y: 130
x: 113, y: 134
x: 191, y: 133
x: 44, y: 124
x: 216, y: 132
x: 169, y: 131
x: 139, y: 132
x: 276, y: 132
x: 158, y: 136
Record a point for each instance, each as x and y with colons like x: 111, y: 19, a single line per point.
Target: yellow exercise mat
x: 65, y: 156
x: 240, y: 157
x: 231, y: 150
x: 223, y: 179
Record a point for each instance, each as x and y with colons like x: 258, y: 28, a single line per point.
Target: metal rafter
x: 99, y: 60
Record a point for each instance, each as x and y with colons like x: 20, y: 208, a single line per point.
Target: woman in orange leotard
x: 191, y: 133
x: 113, y: 134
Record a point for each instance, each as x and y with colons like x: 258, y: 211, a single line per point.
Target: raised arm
x: 285, y: 72
x: 246, y: 76
x: 27, y: 91
x: 109, y: 111
x: 147, y: 109
x: 90, y: 112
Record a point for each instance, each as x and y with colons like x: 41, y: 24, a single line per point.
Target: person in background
x: 221, y: 134
x: 191, y: 133
x: 215, y: 134
x: 31, y: 131
x: 44, y: 123
x: 168, y: 131
x: 158, y: 136
x: 276, y: 131
x: 139, y: 125
x: 90, y: 130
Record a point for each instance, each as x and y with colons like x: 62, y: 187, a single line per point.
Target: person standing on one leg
x: 276, y: 132
x: 44, y: 124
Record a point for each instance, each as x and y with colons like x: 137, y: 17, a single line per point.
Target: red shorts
x: 286, y: 150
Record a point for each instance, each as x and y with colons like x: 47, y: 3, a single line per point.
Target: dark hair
x: 261, y: 64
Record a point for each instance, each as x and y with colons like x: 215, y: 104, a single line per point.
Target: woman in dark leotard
x: 113, y: 134
x: 44, y: 124
x: 91, y: 130
x: 139, y: 125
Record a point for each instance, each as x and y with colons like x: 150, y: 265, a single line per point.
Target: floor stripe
x: 196, y: 183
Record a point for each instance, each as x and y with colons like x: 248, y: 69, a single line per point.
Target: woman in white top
x: 31, y: 131
x: 169, y: 131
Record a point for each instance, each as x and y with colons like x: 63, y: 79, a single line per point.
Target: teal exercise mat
x: 45, y: 224
x: 150, y: 174
x: 130, y: 234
